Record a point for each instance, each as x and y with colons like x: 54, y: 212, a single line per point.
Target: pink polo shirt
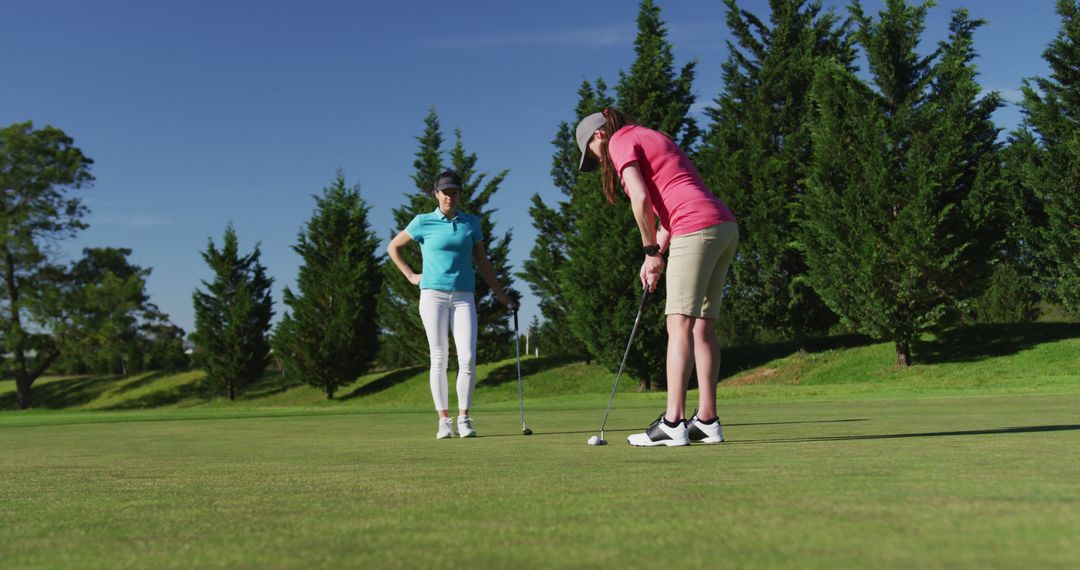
x: 679, y: 196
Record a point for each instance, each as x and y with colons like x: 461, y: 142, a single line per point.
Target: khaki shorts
x: 697, y: 268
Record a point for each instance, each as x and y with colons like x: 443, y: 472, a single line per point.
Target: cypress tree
x: 600, y: 279
x: 756, y: 153
x: 404, y: 339
x: 495, y: 336
x: 1049, y: 200
x: 535, y: 337
x: 556, y: 228
x: 1013, y: 290
x: 232, y: 316
x: 652, y: 92
x: 541, y: 271
x: 330, y: 336
x: 898, y: 215
x: 1008, y: 298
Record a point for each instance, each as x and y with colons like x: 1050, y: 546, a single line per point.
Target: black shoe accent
x: 655, y: 433
x: 695, y: 433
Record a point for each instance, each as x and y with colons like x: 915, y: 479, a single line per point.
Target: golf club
x: 600, y: 440
x: 521, y: 391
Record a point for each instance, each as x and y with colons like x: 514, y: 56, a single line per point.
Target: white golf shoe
x: 446, y: 428
x: 700, y: 432
x: 464, y: 427
x: 660, y: 433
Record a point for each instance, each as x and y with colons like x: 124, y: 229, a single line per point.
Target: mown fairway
x: 836, y: 459
x: 928, y: 483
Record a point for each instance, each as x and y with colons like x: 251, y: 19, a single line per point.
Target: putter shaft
x: 633, y: 331
x: 521, y: 390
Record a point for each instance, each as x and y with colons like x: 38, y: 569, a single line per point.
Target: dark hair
x: 449, y: 178
x: 616, y: 120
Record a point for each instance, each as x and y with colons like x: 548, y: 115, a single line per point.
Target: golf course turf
x: 969, y: 463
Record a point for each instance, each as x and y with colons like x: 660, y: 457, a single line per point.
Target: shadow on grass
x: 386, y: 381
x: 736, y: 359
x: 529, y: 366
x: 62, y: 393
x: 543, y: 433
x: 78, y: 391
x: 797, y: 422
x: 144, y: 381
x: 639, y: 429
x: 979, y: 342
x: 995, y: 431
x: 270, y: 384
x: 199, y: 389
x: 266, y: 391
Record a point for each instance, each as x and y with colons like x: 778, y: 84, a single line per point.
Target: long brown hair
x: 616, y: 120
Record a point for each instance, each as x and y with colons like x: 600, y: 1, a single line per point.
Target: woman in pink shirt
x: 700, y: 234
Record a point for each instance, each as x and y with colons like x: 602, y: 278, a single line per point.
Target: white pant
x: 444, y: 312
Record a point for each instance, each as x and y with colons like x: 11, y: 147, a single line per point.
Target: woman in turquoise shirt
x: 450, y: 243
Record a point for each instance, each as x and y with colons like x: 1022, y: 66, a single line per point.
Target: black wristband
x: 651, y: 250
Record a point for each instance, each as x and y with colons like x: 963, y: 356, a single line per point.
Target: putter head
x: 526, y: 431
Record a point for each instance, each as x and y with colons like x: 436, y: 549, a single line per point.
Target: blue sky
x: 202, y: 113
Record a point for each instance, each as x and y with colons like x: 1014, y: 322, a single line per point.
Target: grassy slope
x: 1017, y: 359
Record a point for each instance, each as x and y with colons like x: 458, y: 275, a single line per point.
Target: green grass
x: 990, y: 359
x: 835, y: 459
x: 949, y: 482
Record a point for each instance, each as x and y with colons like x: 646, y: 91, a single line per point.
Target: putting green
x: 971, y: 481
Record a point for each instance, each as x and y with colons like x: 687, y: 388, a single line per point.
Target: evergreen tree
x: 403, y: 339
x: 108, y: 303
x: 38, y: 170
x: 1049, y: 200
x: 232, y: 316
x: 1022, y: 160
x: 555, y: 227
x: 494, y: 333
x: 600, y: 280
x: 164, y: 342
x: 403, y: 332
x: 541, y: 271
x: 900, y: 204
x: 1013, y: 291
x: 756, y: 153
x: 330, y: 337
x: 652, y: 93
x: 110, y: 326
x: 535, y: 337
x: 1009, y: 298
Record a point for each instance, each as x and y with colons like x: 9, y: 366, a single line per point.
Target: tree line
x: 880, y: 201
x: 349, y: 310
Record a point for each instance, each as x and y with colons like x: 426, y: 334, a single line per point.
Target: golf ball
x: 594, y: 440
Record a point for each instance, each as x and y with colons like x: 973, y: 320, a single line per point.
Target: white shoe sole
x: 650, y: 443
x: 709, y: 440
x: 470, y: 434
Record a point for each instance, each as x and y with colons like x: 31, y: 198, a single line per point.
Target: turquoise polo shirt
x: 447, y: 249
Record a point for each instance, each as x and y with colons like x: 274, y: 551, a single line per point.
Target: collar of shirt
x: 440, y: 216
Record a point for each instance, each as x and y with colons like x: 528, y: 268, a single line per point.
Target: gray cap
x: 448, y: 181
x: 585, y: 130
